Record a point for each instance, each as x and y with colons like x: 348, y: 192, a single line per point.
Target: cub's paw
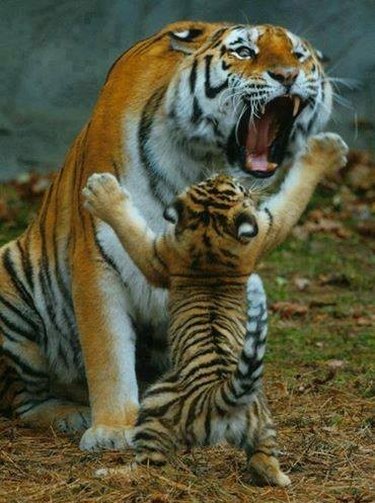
x: 77, y: 420
x: 266, y: 470
x: 98, y: 438
x: 103, y: 194
x: 327, y: 150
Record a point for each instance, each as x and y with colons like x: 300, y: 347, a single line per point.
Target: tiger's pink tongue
x: 257, y: 144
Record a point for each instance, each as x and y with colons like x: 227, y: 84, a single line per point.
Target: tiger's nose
x: 286, y: 76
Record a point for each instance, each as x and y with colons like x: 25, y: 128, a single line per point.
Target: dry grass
x: 324, y: 432
x: 319, y: 378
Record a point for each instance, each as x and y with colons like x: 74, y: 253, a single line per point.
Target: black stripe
x: 26, y: 263
x: 212, y: 92
x: 107, y: 259
x: 15, y: 328
x: 270, y: 218
x: 216, y: 38
x: 24, y: 366
x: 21, y: 315
x: 17, y: 283
x: 193, y: 76
x: 144, y: 132
x: 197, y: 111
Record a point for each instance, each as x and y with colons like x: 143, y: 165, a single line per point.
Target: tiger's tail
x: 242, y: 386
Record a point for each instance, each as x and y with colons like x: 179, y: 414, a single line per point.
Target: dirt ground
x: 319, y: 376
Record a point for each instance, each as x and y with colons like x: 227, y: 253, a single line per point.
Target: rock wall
x: 55, y: 54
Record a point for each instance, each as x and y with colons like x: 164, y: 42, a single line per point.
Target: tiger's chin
x: 258, y: 143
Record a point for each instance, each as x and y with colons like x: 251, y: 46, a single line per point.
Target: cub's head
x: 252, y: 93
x: 215, y: 223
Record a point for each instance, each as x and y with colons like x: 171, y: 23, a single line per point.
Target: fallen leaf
x: 289, y: 309
x: 301, y: 283
x: 335, y: 364
x: 366, y: 229
x: 364, y: 322
x: 31, y: 186
x: 6, y: 214
x: 335, y: 279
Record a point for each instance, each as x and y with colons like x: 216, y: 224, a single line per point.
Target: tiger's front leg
x: 108, y: 344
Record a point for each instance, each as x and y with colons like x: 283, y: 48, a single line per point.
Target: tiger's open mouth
x: 259, y: 145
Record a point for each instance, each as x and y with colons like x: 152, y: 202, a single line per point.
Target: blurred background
x: 55, y: 55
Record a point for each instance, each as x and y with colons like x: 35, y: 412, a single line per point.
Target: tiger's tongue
x: 257, y: 144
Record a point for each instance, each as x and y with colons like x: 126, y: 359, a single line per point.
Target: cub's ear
x: 246, y: 227
x: 185, y: 40
x: 173, y: 212
x: 323, y: 58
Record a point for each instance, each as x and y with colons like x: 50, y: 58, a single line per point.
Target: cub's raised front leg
x: 105, y: 199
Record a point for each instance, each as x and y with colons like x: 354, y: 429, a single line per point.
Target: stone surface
x: 55, y: 54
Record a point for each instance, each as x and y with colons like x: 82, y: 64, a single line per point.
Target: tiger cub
x: 213, y: 391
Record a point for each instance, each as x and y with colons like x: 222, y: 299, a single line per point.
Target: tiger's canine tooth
x: 296, y: 107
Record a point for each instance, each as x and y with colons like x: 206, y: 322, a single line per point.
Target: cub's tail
x: 241, y: 387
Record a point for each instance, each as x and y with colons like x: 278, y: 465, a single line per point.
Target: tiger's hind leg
x: 25, y: 390
x: 25, y: 375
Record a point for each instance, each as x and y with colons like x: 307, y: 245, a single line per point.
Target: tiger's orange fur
x: 70, y: 298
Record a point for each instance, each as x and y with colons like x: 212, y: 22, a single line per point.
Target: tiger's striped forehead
x: 261, y: 37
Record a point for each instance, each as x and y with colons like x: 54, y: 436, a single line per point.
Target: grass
x: 319, y: 379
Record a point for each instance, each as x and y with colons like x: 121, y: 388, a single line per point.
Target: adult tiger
x: 192, y: 98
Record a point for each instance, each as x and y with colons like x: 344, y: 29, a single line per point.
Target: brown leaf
x: 335, y: 364
x: 335, y: 279
x: 367, y: 229
x: 323, y: 224
x: 31, y: 186
x: 289, y: 309
x: 301, y: 283
x: 7, y: 214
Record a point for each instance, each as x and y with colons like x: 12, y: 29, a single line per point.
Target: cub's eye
x: 244, y: 52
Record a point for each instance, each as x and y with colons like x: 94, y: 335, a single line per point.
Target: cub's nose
x: 286, y: 76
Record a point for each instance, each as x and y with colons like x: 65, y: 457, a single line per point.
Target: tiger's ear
x: 185, y: 40
x: 173, y: 212
x: 246, y: 227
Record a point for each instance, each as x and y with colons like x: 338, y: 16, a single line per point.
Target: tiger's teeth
x: 263, y: 109
x: 272, y: 166
x: 297, y: 103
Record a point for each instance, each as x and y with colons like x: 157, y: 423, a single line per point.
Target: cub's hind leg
x: 262, y: 450
x: 254, y: 432
x: 25, y: 390
x: 154, y: 442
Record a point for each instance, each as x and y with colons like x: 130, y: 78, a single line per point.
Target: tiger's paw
x: 99, y: 437
x: 103, y: 195
x: 326, y: 151
x: 76, y: 421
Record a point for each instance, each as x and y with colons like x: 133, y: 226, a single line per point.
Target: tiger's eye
x: 244, y: 52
